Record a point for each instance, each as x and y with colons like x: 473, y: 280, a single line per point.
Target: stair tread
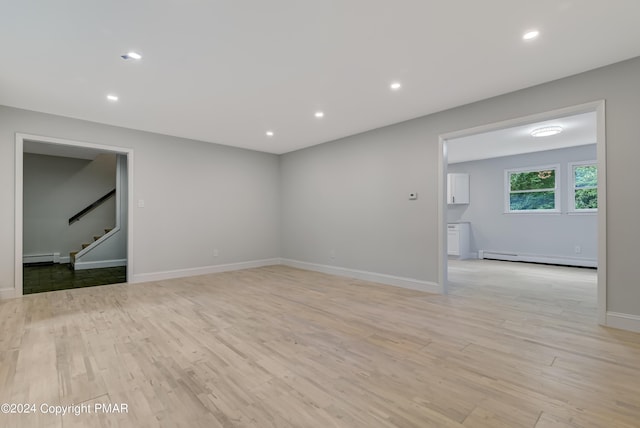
x: 73, y: 254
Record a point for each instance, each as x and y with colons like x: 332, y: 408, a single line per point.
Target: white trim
x: 18, y: 234
x: 413, y: 284
x: 17, y: 231
x: 623, y: 321
x: 443, y: 196
x: 95, y: 244
x: 118, y: 194
x: 130, y: 259
x: 601, y: 138
x: 538, y: 258
x: 579, y: 213
x: 534, y: 212
x: 556, y: 189
x: 571, y: 188
x: 599, y: 108
x: 525, y: 120
x: 205, y: 270
x: 65, y: 142
x: 99, y: 264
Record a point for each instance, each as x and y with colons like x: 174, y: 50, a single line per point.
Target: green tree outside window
x: 585, y: 179
x: 532, y: 190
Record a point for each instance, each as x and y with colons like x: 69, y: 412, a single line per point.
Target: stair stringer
x: 104, y: 252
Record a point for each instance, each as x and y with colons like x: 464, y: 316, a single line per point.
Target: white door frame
x: 599, y: 108
x: 19, y: 179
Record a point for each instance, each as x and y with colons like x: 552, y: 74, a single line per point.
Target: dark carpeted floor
x: 49, y: 277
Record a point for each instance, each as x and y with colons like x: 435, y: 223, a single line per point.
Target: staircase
x: 73, y: 254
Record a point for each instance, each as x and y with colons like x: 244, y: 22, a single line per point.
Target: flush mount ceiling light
x: 395, y: 86
x: 319, y: 114
x: 546, y: 131
x: 530, y: 35
x: 270, y: 133
x: 131, y: 55
x: 112, y: 97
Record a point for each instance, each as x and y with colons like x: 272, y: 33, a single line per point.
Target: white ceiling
x: 578, y: 130
x: 227, y: 71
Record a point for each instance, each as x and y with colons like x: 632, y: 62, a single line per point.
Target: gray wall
x: 351, y: 194
x: 198, y: 196
x: 538, y: 234
x: 54, y: 189
x: 351, y: 197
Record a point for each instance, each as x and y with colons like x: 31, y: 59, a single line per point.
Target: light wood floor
x: 512, y: 346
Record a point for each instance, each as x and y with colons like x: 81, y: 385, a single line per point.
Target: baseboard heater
x: 536, y: 258
x: 44, y: 258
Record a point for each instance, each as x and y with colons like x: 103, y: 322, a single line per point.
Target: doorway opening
x: 73, y: 217
x: 525, y: 198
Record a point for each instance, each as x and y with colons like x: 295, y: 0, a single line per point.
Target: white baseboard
x: 413, y: 284
x: 99, y: 264
x: 64, y: 260
x: 7, y: 293
x: 41, y: 258
x: 537, y: 258
x: 623, y: 321
x: 180, y: 273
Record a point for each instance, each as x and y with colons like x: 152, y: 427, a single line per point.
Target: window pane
x: 586, y: 176
x: 533, y: 180
x: 586, y: 199
x: 532, y: 201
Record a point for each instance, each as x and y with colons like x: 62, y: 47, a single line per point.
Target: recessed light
x: 531, y: 34
x: 112, y: 97
x: 270, y: 133
x: 395, y: 86
x: 131, y: 55
x: 546, y: 131
x: 319, y: 114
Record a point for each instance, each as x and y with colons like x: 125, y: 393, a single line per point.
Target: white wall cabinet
x: 458, y: 240
x: 457, y: 188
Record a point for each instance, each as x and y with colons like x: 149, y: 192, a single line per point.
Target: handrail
x: 91, y: 207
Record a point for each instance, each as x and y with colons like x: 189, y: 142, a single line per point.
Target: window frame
x: 556, y: 189
x: 571, y: 187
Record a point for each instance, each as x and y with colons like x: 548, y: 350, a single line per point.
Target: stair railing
x: 91, y: 207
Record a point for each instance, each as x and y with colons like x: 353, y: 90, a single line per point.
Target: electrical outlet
x: 577, y: 249
x: 332, y: 254
x: 216, y: 253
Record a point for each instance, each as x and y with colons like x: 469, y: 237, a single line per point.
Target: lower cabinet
x: 458, y: 240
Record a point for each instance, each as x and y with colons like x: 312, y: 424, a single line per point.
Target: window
x: 532, y: 190
x: 583, y: 187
